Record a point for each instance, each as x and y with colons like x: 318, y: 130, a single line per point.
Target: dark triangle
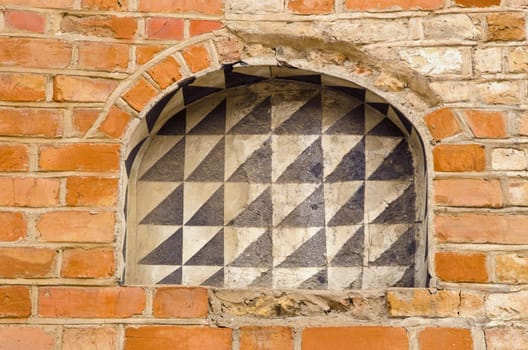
x: 351, y: 253
x: 258, y: 254
x: 386, y: 128
x: 175, y: 125
x: 155, y: 112
x: 169, y: 211
x: 211, y: 254
x: 258, y: 214
x: 169, y: 168
x: 317, y: 281
x: 407, y: 279
x: 406, y: 123
x: 399, y: 211
x: 352, y: 212
x: 213, y: 123
x: 309, y: 213
x: 308, y: 167
x: 216, y: 280
x: 383, y: 108
x: 211, y: 169
x: 233, y: 79
x: 357, y: 93
x: 401, y: 252
x: 307, y: 120
x: 258, y: 121
x: 311, y: 253
x: 313, y: 79
x: 352, y: 123
x: 186, y: 82
x: 211, y: 213
x: 352, y: 166
x: 265, y: 280
x: 194, y: 93
x: 257, y: 168
x: 129, y: 162
x: 397, y: 165
x: 173, y: 278
x: 168, y: 252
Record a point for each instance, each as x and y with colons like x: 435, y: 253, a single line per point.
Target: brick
x: 38, y: 53
x: 506, y: 26
x: 228, y: 49
x: 452, y: 26
x: 198, y: 27
x: 354, y: 338
x: 15, y: 302
x: 488, y: 60
x: 93, y: 338
x: 166, y: 72
x: 518, y: 192
x: 116, y: 5
x: 83, y: 120
x: 442, y: 123
x: 482, y: 228
x: 103, y: 56
x: 445, y: 339
x: 477, y: 3
x: 145, y: 53
x: 91, y: 191
x: 91, y: 302
x: 393, y: 4
x: 262, y: 338
x: 27, y: 338
x: 117, y: 27
x: 435, y: 61
x: 165, y: 28
x: 68, y: 4
x: 457, y: 158
x: 208, y: 7
x: 25, y: 21
x: 76, y: 226
x: 486, y: 124
x: 518, y: 60
x: 472, y: 305
x: 88, y: 263
x: 32, y: 122
x: 461, y: 267
x: 499, y: 93
x: 14, y: 158
x: 22, y: 87
x: 507, y: 306
x: 26, y: 262
x: 506, y: 338
x: 81, y: 157
x: 180, y: 302
x: 82, y: 89
x: 468, y: 192
x: 311, y: 6
x: 511, y: 268
x: 33, y: 192
x: 12, y: 226
x: 422, y: 303
x: 187, y: 338
x: 140, y: 94
x: 115, y: 123
x: 508, y: 159
x: 197, y: 58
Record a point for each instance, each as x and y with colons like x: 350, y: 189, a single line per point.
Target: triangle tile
x: 148, y: 238
x: 288, y: 240
x: 305, y: 121
x: 173, y: 278
x: 352, y: 212
x: 404, y: 120
x: 257, y: 254
x: 211, y: 213
x: 265, y: 280
x: 211, y: 254
x: 352, y: 165
x: 155, y: 112
x: 131, y: 156
x: 401, y: 252
x: 372, y: 118
x: 336, y: 147
x: 195, y: 237
x: 239, y: 195
x: 194, y: 93
x: 382, y: 277
x: 258, y: 121
x: 379, y: 195
x: 168, y: 252
x: 257, y: 214
x: 373, y: 98
x: 312, y: 79
x: 337, y: 105
x: 292, y: 277
x: 286, y: 149
x: 352, y: 123
x: 397, y: 165
x: 169, y: 211
x: 310, y: 254
x: 237, y: 239
x: 355, y: 92
x: 377, y: 148
x: 307, y: 167
x: 254, y: 169
x: 197, y: 112
x: 287, y: 101
x: 338, y: 194
x: 151, y: 194
x: 169, y: 167
x: 216, y: 280
x: 199, y: 275
x: 241, y: 277
x: 213, y: 123
x: 287, y: 197
x: 308, y: 213
x: 195, y: 195
x: 351, y: 253
x: 196, y: 150
x: 399, y: 211
x: 383, y: 108
x: 382, y: 237
x: 407, y: 280
x: 337, y: 236
x: 233, y: 79
x: 175, y: 125
x: 211, y: 169
x: 317, y: 281
x: 386, y: 128
x: 341, y: 278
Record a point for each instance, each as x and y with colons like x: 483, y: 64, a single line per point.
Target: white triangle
x: 287, y: 197
x: 196, y: 112
x: 395, y: 118
x: 237, y: 239
x: 287, y: 102
x: 382, y: 237
x: 380, y: 194
x: 196, y: 149
x: 335, y: 147
x: 372, y: 118
x: 152, y: 274
x: 340, y: 278
x: 195, y: 238
x: 337, y: 194
x: 288, y: 240
x: 157, y: 148
x: 377, y: 149
x: 257, y: 71
x: 336, y: 237
x: 373, y: 98
x: 328, y: 80
x: 240, y: 105
x: 195, y: 195
x: 150, y: 194
x: 238, y: 197
x: 335, y: 106
x: 286, y: 149
x: 148, y: 237
x: 382, y: 277
x: 238, y: 148
x: 214, y: 79
x: 241, y: 277
x: 196, y: 275
x: 292, y: 278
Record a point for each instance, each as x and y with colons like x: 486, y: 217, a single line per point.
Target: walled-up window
x: 269, y: 177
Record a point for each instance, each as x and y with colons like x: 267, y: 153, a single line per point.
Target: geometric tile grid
x: 290, y: 182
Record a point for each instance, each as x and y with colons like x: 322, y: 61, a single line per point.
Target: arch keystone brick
x: 197, y: 57
x: 139, y: 95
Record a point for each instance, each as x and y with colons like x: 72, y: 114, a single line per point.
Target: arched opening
x: 272, y: 177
